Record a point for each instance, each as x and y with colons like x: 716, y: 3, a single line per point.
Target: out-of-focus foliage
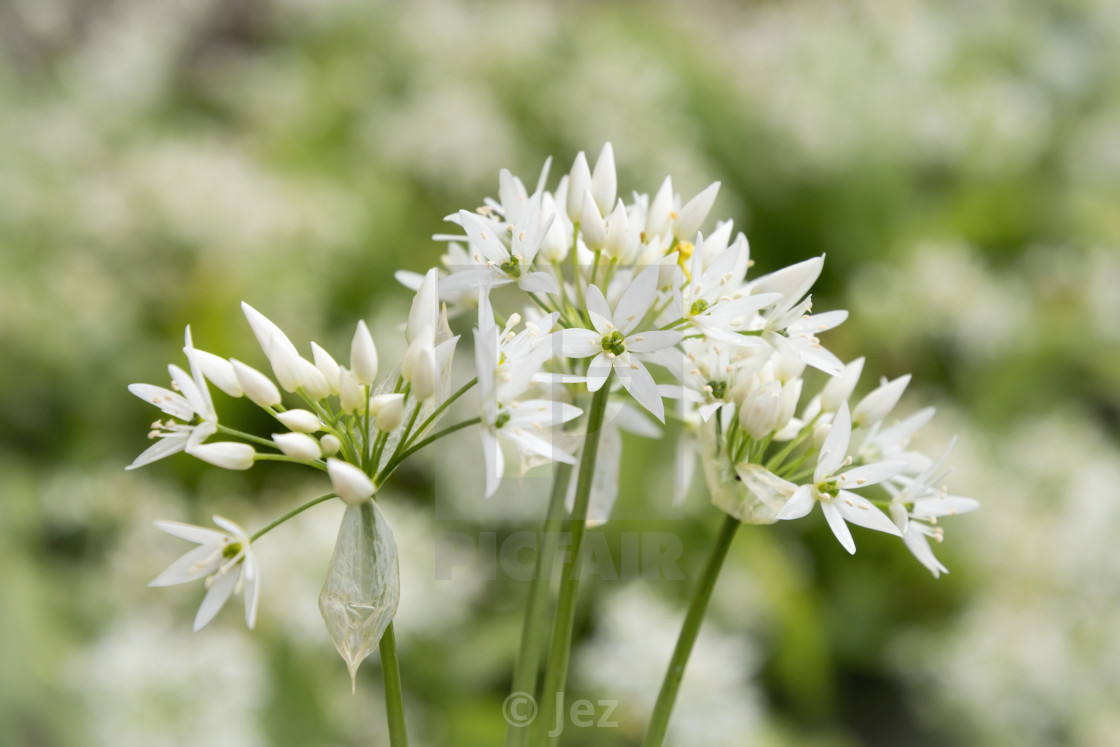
x: 958, y: 162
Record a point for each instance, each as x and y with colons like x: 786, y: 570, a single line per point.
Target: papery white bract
x: 224, y: 558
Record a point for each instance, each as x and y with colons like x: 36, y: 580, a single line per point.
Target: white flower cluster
x: 629, y: 284
x: 609, y: 297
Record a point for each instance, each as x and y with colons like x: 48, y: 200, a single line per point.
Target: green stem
x: 259, y: 457
x: 394, y: 698
x: 247, y: 436
x: 443, y: 406
x: 294, y: 512
x: 398, y: 458
x: 528, y: 661
x: 556, y: 674
x: 659, y: 722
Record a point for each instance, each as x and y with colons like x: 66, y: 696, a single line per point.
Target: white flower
x: 224, y: 558
x: 713, y: 301
x: 492, y: 262
x: 190, y: 401
x: 506, y: 365
x: 832, y: 486
x: 916, y: 505
x: 616, y: 345
x: 787, y: 326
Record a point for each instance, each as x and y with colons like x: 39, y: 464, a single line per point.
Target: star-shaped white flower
x: 506, y: 364
x: 916, y: 505
x: 190, y: 401
x: 832, y: 485
x: 495, y: 262
x: 713, y: 300
x: 223, y: 558
x: 616, y: 344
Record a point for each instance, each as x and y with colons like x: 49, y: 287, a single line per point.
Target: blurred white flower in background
x: 150, y: 682
x: 717, y: 706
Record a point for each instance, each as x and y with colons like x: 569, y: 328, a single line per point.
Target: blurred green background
x: 959, y: 163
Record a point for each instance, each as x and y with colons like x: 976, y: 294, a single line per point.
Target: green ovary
x: 614, y: 343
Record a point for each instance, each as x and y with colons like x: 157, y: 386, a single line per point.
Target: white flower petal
x: 838, y: 526
x: 641, y: 385
x: 215, y: 598
x: 191, y: 533
x: 835, y: 446
x: 636, y: 299
x: 647, y: 342
x: 862, y: 477
x: 538, y: 282
x: 579, y: 343
x: 799, y: 504
x: 493, y: 460
x: 172, y: 403
x: 861, y: 512
x: 252, y: 589
x: 199, y: 562
x: 598, y: 371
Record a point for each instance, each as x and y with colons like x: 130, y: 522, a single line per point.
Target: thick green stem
x: 527, y: 665
x: 394, y: 698
x: 556, y: 674
x: 693, y: 619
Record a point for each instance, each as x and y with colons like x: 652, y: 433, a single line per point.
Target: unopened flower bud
x: 556, y: 241
x: 579, y: 181
x: 225, y: 454
x: 837, y: 390
x: 692, y: 215
x: 297, y: 445
x: 425, y: 307
x: 660, y: 209
x: 351, y: 394
x: 388, y: 411
x: 418, y: 366
x: 352, y: 485
x: 618, y: 233
x: 604, y: 179
x: 258, y: 387
x: 363, y: 355
x: 218, y: 372
x: 301, y: 421
x: 326, y: 365
x: 312, y: 381
x: 879, y: 403
x: 759, y: 413
x: 591, y: 224
x: 329, y: 444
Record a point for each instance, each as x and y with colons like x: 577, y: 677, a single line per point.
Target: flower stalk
x: 693, y: 619
x: 556, y: 673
